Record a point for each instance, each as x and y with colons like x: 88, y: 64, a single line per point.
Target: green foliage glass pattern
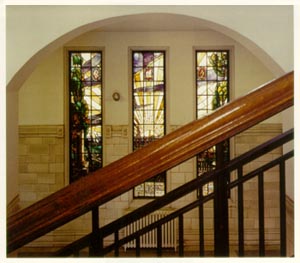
x: 85, y: 109
x: 212, y: 83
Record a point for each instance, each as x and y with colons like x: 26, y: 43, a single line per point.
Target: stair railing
x: 90, y: 192
x: 235, y: 165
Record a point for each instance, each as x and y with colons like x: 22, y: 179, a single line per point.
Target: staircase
x: 90, y: 192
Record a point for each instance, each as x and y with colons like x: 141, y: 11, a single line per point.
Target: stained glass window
x: 85, y: 109
x: 148, y: 91
x: 212, y: 84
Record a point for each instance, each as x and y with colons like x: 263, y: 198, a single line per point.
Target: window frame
x: 131, y: 84
x: 67, y: 115
x: 230, y: 53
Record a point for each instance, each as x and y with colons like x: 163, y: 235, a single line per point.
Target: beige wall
x: 42, y: 95
x: 42, y: 101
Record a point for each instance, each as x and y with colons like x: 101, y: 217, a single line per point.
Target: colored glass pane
x: 212, y: 69
x: 148, y: 110
x: 85, y: 103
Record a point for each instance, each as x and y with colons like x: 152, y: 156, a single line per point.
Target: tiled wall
x: 41, y: 153
x: 42, y: 172
x: 41, y: 162
x: 243, y: 142
x: 240, y: 144
x: 290, y: 226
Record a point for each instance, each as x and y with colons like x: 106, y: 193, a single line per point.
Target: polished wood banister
x: 131, y: 170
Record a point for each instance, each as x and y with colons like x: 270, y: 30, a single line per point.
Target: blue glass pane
x: 148, y: 59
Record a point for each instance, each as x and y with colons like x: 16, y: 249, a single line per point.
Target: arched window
x: 85, y: 112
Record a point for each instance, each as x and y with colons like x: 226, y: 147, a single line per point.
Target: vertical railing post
x: 97, y: 241
x: 117, y: 243
x: 261, y: 214
x: 283, y: 250
x: 221, y: 217
x: 138, y: 247
x: 221, y: 233
x: 181, y: 238
x: 159, y: 240
x: 201, y: 224
x: 241, y: 213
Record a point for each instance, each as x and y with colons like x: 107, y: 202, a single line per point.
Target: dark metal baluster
x: 201, y: 225
x: 261, y: 214
x: 97, y: 240
x: 282, y: 211
x: 221, y: 233
x: 159, y: 241
x: 138, y: 246
x: 241, y: 213
x: 116, y: 243
x: 181, y: 239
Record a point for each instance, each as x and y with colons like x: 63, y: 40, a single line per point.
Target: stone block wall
x: 290, y: 226
x: 242, y: 143
x: 41, y: 162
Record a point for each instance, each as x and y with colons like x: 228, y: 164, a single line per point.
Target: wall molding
x: 41, y: 131
x: 255, y: 130
x: 262, y: 128
x: 116, y: 131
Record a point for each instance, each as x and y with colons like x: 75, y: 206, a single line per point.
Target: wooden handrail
x: 133, y: 169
